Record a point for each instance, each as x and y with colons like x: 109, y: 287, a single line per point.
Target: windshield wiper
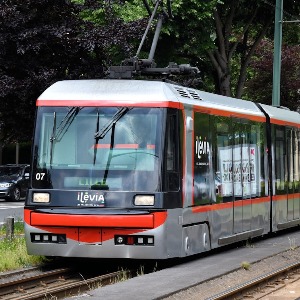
x: 107, y: 127
x: 96, y: 138
x: 100, y: 134
x: 57, y: 133
x: 51, y: 138
x: 62, y: 128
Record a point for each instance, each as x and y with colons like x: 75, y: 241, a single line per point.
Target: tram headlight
x: 41, y: 198
x: 144, y: 200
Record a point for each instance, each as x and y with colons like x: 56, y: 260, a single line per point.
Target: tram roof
x: 114, y: 92
x: 282, y: 116
x: 107, y: 92
x: 132, y: 92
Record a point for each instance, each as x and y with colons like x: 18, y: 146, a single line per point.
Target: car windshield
x: 9, y: 171
x: 115, y: 148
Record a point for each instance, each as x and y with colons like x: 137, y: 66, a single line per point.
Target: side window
x: 297, y: 161
x: 239, y: 159
x: 280, y: 160
x: 204, y: 190
x: 171, y: 144
x: 259, y: 161
x: 247, y: 156
x: 223, y: 159
x: 290, y: 160
x: 172, y: 152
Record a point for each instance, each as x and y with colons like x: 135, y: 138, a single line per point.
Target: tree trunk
x: 227, y: 43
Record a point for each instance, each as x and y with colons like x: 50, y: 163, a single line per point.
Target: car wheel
x: 16, y: 194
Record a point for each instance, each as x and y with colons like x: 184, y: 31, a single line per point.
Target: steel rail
x: 17, y: 272
x: 62, y: 286
x: 74, y: 288
x: 24, y: 281
x: 254, y: 282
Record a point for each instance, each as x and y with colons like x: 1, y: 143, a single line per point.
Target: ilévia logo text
x: 88, y: 199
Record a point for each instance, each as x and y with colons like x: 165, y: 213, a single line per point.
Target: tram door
x: 297, y: 173
x: 292, y: 175
x: 281, y: 206
x: 239, y: 164
x: 223, y: 166
x: 242, y: 173
x: 287, y: 174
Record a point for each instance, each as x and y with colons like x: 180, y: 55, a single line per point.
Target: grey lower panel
x: 240, y: 236
x: 288, y: 224
x: 107, y: 249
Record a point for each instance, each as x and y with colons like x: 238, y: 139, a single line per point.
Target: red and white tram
x: 153, y: 170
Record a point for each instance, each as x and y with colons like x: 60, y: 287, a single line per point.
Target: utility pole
x: 277, y: 53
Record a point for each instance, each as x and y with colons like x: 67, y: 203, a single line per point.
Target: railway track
x: 63, y: 282
x: 262, y: 285
x: 59, y: 283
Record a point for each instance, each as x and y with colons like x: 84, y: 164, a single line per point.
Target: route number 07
x: 39, y: 176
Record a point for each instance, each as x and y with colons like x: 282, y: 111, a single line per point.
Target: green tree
x: 48, y: 40
x: 38, y: 46
x: 259, y: 88
x: 227, y: 39
x: 219, y: 37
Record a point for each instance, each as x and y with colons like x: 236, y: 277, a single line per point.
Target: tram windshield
x: 105, y: 148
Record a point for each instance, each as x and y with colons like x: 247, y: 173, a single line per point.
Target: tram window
x: 172, y: 155
x: 290, y: 161
x: 72, y: 157
x: 294, y: 161
x: 297, y: 161
x: 171, y: 143
x: 258, y: 137
x: 280, y: 160
x: 223, y: 158
x: 239, y: 159
x: 248, y: 162
x: 204, y: 187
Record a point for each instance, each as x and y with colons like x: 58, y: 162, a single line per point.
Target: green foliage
x: 131, y: 10
x: 291, y: 33
x: 14, y: 255
x: 179, y: 35
x: 49, y: 40
x: 18, y: 228
x: 96, y: 16
x: 13, y: 252
x: 259, y: 87
x: 38, y: 42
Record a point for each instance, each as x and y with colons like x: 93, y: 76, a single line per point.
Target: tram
x: 153, y: 170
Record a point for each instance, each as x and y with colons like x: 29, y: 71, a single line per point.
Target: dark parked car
x: 14, y: 181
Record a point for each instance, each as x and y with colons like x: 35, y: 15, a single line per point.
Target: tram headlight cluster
x: 142, y: 240
x: 48, y: 238
x: 144, y: 200
x: 41, y: 197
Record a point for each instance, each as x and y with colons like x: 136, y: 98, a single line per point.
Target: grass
x: 13, y: 251
x: 246, y: 265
